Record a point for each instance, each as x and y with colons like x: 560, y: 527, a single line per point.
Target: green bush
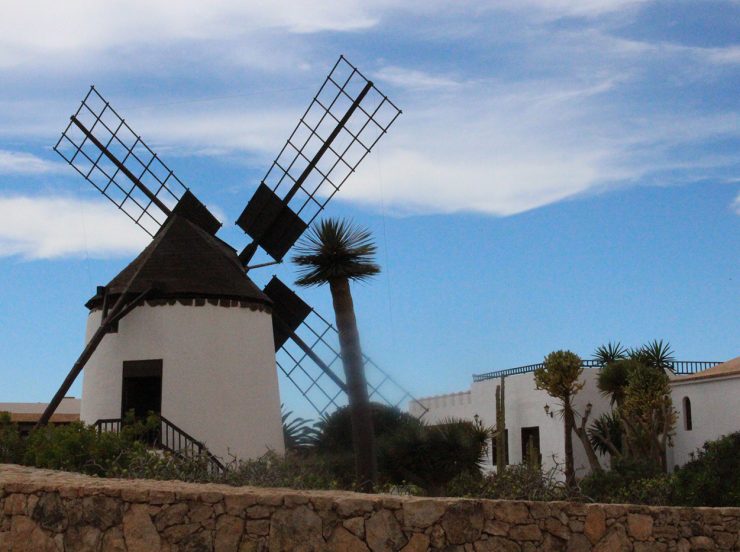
x: 629, y: 482
x: 713, y: 477
x: 410, y: 453
x: 81, y: 448
x: 11, y: 443
x: 431, y: 456
x: 515, y: 482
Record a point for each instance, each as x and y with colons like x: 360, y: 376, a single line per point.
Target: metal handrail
x: 169, y: 433
x: 169, y: 437
x: 678, y: 367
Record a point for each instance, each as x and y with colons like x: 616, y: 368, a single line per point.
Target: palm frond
x: 657, y: 354
x: 334, y: 249
x: 610, y: 352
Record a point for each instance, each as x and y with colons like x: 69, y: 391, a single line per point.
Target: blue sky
x: 565, y: 172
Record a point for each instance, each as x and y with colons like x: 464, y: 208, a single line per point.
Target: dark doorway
x: 142, y: 387
x: 531, y: 442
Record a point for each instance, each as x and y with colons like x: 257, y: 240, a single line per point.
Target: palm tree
x: 610, y: 352
x: 335, y: 252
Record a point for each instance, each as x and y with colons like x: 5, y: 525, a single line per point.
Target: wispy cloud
x: 525, y: 147
x: 728, y: 55
x: 572, y: 8
x: 413, y: 79
x: 52, y: 227
x: 31, y: 33
x: 18, y: 162
x: 736, y: 204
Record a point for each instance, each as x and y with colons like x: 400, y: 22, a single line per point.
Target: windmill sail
x: 307, y: 354
x: 106, y: 151
x: 343, y: 122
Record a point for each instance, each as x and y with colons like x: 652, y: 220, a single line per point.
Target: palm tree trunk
x: 569, y: 423
x: 363, y: 436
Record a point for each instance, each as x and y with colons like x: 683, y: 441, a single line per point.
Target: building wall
x: 715, y: 411
x: 69, y: 405
x: 451, y: 405
x: 219, y: 381
x: 715, y: 404
x: 524, y: 406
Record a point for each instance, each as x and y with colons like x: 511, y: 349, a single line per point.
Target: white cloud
x: 18, y: 162
x: 52, y: 227
x: 507, y: 149
x: 572, y: 8
x: 727, y: 55
x: 736, y: 204
x: 35, y: 31
x: 413, y: 79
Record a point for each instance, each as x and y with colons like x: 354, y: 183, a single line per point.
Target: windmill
x: 148, y: 348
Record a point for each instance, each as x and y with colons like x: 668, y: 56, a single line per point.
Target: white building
x: 712, y: 396
x: 199, y: 350
x: 708, y: 406
x: 27, y: 414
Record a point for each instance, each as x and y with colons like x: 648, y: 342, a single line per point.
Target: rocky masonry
x: 47, y: 511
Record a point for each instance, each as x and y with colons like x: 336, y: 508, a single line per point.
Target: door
x: 142, y: 387
x: 531, y: 445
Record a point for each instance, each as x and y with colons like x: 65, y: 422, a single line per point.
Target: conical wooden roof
x: 183, y: 261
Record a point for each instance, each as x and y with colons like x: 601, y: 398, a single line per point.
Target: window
x: 687, y: 424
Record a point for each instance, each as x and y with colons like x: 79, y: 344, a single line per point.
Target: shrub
x: 432, y: 456
x: 81, y: 448
x: 515, y: 482
x: 629, y: 482
x: 409, y: 451
x: 304, y: 471
x: 713, y: 477
x: 11, y: 443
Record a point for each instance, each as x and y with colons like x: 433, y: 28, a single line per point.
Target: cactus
x: 500, y: 433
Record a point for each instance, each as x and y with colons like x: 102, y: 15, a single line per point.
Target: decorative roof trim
x: 194, y: 301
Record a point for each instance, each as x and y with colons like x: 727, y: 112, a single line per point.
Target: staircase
x: 167, y: 436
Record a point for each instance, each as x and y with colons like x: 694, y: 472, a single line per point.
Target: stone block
x: 463, y: 522
x: 497, y: 544
x: 512, y: 512
x: 422, y: 513
x: 139, y: 532
x: 237, y: 505
x: 383, y: 532
x: 299, y: 529
x: 702, y: 543
x: 356, y: 526
x: 229, y: 531
x: 595, y: 524
x: 342, y: 540
x: 640, y: 526
x: 417, y: 543
x: 528, y: 532
x: 350, y: 507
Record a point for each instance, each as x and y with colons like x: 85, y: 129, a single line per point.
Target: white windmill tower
x: 182, y: 331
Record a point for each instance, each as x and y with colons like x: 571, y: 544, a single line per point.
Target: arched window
x: 687, y: 414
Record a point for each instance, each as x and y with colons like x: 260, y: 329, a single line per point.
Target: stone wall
x: 46, y: 511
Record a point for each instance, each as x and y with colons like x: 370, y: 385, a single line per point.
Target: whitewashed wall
x: 524, y: 408
x: 715, y: 411
x: 219, y: 381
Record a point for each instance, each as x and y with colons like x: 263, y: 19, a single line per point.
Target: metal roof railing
x: 678, y: 367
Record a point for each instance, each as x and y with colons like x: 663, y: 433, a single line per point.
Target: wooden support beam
x: 119, y: 310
